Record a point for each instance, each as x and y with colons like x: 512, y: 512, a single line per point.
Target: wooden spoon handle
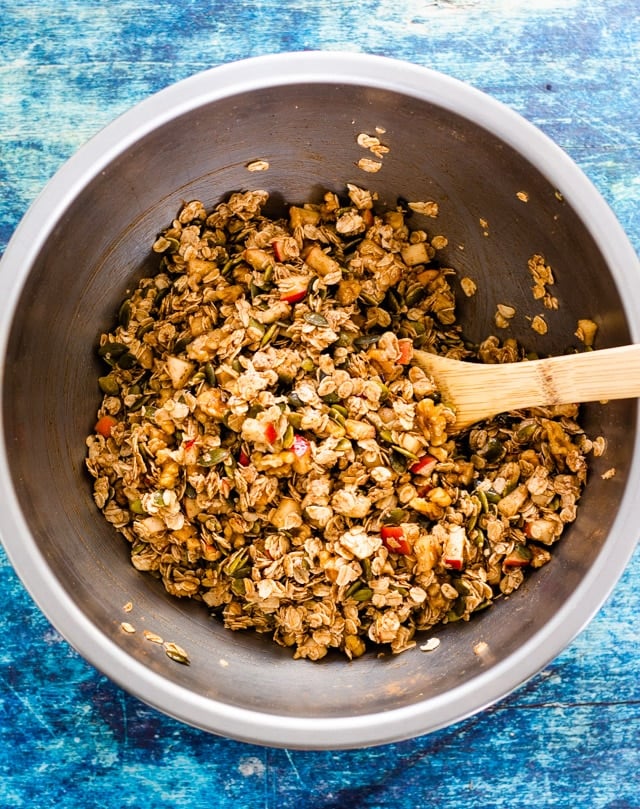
x: 610, y: 373
x: 477, y: 391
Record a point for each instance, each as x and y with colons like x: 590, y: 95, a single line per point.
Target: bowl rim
x: 24, y: 246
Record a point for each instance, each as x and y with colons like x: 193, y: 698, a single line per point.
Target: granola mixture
x: 267, y: 446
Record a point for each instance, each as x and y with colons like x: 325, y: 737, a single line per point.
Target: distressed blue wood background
x: 568, y: 738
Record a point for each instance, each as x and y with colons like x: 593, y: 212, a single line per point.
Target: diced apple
x: 453, y: 554
x: 293, y: 289
x: 278, y: 249
x: 394, y: 540
x: 302, y: 216
x: 318, y: 260
x: 405, y: 347
x: 179, y: 371
x: 257, y: 258
x: 270, y: 433
x: 423, y: 466
x: 395, y: 219
x: 301, y: 449
x: 520, y: 556
x: 414, y: 254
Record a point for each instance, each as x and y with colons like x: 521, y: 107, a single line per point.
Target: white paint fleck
x: 251, y: 765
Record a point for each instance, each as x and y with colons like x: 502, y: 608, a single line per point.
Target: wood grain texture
x: 570, y: 737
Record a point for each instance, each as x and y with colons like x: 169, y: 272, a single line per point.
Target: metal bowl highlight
x: 88, y: 236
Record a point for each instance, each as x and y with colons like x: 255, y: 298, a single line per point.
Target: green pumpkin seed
x: 269, y: 335
x: 136, y: 506
x: 109, y: 385
x: 415, y: 294
x: 177, y: 653
x: 210, y: 374
x: 397, y: 516
x: 493, y: 451
x: 315, y: 319
x: 365, y: 341
x: 127, y: 361
x: 237, y: 565
x: 287, y: 438
x: 180, y: 344
x: 144, y: 328
x: 407, y: 454
x: 212, y: 457
x: 113, y: 350
x: 124, y: 314
x: 362, y: 594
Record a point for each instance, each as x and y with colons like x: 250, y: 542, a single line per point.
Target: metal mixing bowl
x: 88, y: 236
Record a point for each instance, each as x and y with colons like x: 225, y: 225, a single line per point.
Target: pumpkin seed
x: 212, y: 457
x: 415, y: 294
x: 397, y: 516
x: 210, y: 374
x: 127, y: 361
x: 112, y: 350
x: 124, y: 314
x: 315, y: 319
x: 362, y: 594
x: 366, y: 340
x: 176, y: 653
x: 269, y: 335
x: 109, y: 385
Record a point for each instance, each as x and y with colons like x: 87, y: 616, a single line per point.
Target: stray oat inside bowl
x: 292, y: 126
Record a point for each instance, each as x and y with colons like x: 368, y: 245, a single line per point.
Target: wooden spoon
x: 479, y: 391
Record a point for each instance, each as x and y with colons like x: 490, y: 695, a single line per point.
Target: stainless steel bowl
x: 88, y: 236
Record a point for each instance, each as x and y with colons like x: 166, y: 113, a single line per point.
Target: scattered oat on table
x: 522, y: 196
x: 128, y: 606
x: 610, y: 473
x: 482, y: 647
x: 127, y: 627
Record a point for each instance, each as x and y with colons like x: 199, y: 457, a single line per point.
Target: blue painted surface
x: 568, y: 738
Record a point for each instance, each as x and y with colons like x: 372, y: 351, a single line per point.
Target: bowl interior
x: 102, y: 242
